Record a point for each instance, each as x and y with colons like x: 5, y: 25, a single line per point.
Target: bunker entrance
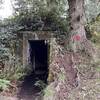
x: 38, y: 53
x: 39, y: 58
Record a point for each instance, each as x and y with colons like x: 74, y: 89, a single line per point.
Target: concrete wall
x: 28, y: 35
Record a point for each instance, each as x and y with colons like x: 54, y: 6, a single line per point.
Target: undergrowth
x: 4, y: 84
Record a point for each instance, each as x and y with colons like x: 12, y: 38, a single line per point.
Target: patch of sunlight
x: 6, y: 9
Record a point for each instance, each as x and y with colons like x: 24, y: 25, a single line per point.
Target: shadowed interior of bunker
x: 39, y: 58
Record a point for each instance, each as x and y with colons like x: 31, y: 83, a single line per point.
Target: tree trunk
x: 77, y: 23
x: 77, y: 17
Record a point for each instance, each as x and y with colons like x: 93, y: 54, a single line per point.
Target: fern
x: 4, y: 84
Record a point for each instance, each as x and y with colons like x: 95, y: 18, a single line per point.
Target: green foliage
x: 40, y: 84
x: 95, y: 31
x: 13, y: 70
x: 10, y: 64
x: 92, y: 9
x: 49, y: 92
x: 41, y: 15
x: 11, y: 67
x: 4, y: 84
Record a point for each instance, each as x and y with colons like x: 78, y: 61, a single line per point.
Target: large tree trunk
x: 77, y: 23
x: 77, y: 17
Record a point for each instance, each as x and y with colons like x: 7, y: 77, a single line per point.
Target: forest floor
x: 88, y: 89
x: 24, y: 90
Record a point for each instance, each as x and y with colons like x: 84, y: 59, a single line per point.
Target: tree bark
x: 77, y: 24
x: 77, y: 17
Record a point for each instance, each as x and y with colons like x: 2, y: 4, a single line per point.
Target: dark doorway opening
x: 38, y: 54
x: 39, y: 58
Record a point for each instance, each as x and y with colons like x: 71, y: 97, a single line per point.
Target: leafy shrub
x: 4, y: 84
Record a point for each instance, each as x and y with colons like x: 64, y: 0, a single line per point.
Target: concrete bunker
x: 34, y: 52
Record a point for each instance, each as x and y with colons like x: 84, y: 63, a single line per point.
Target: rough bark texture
x: 77, y: 17
x: 77, y: 37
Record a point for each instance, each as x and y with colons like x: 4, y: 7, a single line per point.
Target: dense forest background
x: 53, y: 16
